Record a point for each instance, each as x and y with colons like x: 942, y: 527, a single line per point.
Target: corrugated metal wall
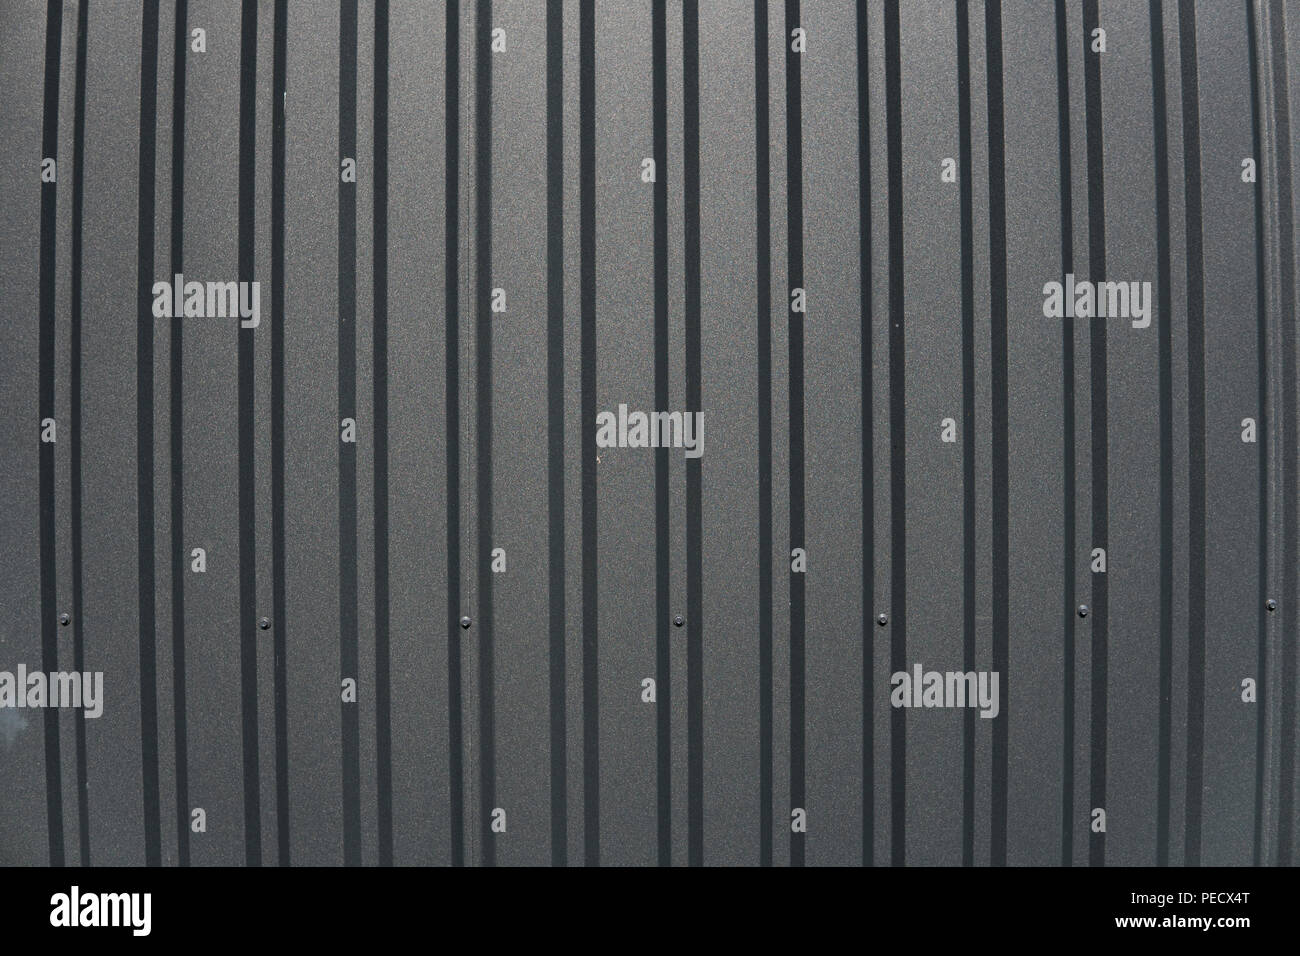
x: 501, y: 716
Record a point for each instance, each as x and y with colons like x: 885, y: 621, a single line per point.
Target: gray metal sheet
x: 503, y: 741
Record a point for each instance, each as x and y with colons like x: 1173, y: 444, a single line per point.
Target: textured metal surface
x: 774, y: 694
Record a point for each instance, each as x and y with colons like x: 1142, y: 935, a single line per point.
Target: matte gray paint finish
x: 1034, y: 357
x: 418, y: 569
x: 519, y: 434
x: 1233, y: 475
x: 22, y: 756
x: 625, y: 477
x: 933, y: 343
x: 1133, y: 446
x: 113, y: 772
x: 311, y: 436
x: 730, y: 391
x: 211, y: 450
x: 839, y: 627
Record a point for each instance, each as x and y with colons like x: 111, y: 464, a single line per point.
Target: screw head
x: 678, y: 621
x: 264, y: 623
x: 65, y: 619
x: 465, y: 623
x: 882, y: 619
x: 1083, y: 610
x: 1271, y: 604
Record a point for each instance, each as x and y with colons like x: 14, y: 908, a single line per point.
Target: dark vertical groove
x: 868, y: 446
x: 587, y: 268
x: 555, y: 419
x: 999, y: 415
x: 74, y: 387
x: 1262, y: 431
x: 280, y: 676
x: 663, y: 644
x: 144, y: 437
x: 49, y: 590
x: 763, y: 199
x: 968, y: 424
x: 1290, y: 454
x: 383, y: 682
x: 247, y: 512
x: 1196, y: 431
x: 1160, y: 132
x: 694, y: 516
x: 1100, y: 471
x: 1064, y: 158
x: 180, y: 48
x: 897, y: 437
x: 347, y: 394
x: 456, y: 736
x: 794, y: 246
x: 483, y: 419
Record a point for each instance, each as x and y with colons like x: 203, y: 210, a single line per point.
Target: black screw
x: 65, y: 619
x: 678, y: 621
x: 882, y: 619
x: 264, y: 623
x: 1271, y: 605
x: 1083, y: 610
x: 465, y: 623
